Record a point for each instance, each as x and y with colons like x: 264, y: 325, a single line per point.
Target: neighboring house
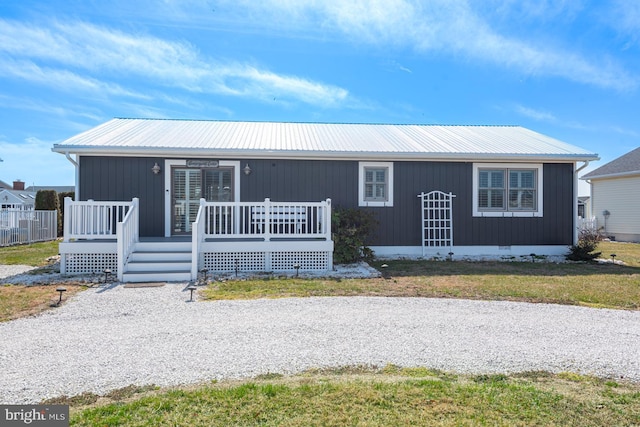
x: 17, y: 197
x: 486, y: 190
x: 56, y: 188
x: 584, y: 207
x: 615, y: 196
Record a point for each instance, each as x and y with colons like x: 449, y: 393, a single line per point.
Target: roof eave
x: 612, y: 175
x: 317, y: 155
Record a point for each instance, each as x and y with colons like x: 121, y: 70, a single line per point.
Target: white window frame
x: 361, y: 184
x: 538, y: 212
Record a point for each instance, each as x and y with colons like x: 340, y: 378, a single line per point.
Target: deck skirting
x: 93, y: 257
x: 273, y: 256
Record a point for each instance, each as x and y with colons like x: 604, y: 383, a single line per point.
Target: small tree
x: 588, y: 240
x: 351, y: 227
x: 47, y: 200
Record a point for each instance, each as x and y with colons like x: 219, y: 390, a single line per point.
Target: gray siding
x: 122, y: 179
x: 115, y: 178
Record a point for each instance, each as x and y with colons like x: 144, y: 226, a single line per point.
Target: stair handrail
x: 197, y: 236
x: 127, y: 235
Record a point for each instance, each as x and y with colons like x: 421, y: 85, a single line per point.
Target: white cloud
x: 539, y: 115
x: 95, y: 54
x: 63, y: 79
x: 454, y: 27
x: 625, y: 19
x: 50, y: 168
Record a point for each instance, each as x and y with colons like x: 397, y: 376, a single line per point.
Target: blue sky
x: 569, y: 69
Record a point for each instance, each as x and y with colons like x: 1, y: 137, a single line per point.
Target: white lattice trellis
x: 437, y: 220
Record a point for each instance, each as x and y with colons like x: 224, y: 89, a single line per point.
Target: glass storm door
x: 189, y: 185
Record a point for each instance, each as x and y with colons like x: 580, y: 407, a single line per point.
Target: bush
x: 588, y: 240
x: 46, y: 200
x: 351, y: 227
x: 61, y: 197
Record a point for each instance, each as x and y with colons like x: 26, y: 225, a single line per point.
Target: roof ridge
x: 316, y: 123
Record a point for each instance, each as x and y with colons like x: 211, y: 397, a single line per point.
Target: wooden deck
x: 225, y: 237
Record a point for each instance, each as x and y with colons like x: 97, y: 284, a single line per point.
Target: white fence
x: 27, y: 226
x: 588, y: 223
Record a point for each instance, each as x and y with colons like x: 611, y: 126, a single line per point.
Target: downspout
x: 75, y: 164
x: 575, y: 199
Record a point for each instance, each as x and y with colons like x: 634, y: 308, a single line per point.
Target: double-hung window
x: 375, y: 184
x: 507, y: 190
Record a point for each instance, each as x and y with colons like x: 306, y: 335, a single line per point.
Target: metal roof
x: 628, y: 164
x: 317, y: 140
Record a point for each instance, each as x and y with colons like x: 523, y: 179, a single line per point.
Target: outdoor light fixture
x: 247, y: 170
x: 156, y: 169
x: 61, y: 290
x: 107, y: 274
x: 606, y: 214
x: 297, y: 267
x: 191, y: 288
x: 384, y: 270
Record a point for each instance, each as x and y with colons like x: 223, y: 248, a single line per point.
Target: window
x: 375, y: 182
x: 507, y: 190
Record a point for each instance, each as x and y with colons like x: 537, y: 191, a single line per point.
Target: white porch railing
x: 290, y: 226
x: 127, y: 235
x: 93, y: 220
x: 267, y: 220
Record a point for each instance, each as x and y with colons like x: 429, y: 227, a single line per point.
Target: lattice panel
x: 229, y: 261
x: 308, y: 260
x: 90, y: 263
x: 437, y: 219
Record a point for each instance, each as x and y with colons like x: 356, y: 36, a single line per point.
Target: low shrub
x: 351, y: 227
x: 584, y: 250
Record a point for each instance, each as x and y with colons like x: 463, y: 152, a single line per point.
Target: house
x: 615, y: 196
x: 584, y: 207
x: 16, y: 197
x: 258, y: 195
x: 56, y: 188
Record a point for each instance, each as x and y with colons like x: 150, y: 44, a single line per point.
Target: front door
x: 189, y: 185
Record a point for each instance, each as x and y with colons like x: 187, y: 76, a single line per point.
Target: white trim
x: 317, y: 155
x: 467, y: 251
x: 506, y: 213
x: 169, y: 163
x: 365, y: 203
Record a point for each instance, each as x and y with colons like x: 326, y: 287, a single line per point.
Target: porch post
x: 267, y: 220
x: 197, y: 236
x: 67, y: 220
x: 328, y: 228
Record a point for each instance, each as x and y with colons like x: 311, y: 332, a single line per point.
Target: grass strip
x: 593, y: 285
x: 378, y: 397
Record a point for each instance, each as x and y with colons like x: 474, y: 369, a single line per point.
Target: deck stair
x: 163, y: 261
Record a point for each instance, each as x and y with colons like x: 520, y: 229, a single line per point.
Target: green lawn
x: 35, y: 254
x: 594, y: 285
x: 391, y: 396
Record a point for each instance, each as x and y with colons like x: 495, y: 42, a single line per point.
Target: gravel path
x: 110, y: 337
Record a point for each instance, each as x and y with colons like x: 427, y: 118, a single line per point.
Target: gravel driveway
x: 110, y: 337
